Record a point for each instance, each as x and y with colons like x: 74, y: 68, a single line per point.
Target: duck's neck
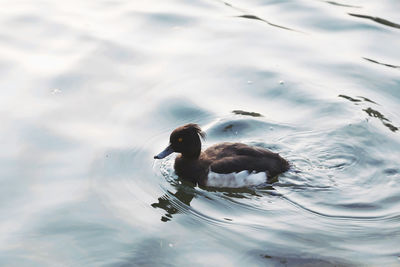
x: 193, y: 150
x: 192, y: 154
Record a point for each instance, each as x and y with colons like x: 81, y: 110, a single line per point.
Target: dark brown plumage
x: 194, y: 165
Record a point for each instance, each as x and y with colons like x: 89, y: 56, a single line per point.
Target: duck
x: 222, y: 165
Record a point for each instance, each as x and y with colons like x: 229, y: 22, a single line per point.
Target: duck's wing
x: 237, y: 157
x: 224, y: 150
x: 238, y: 163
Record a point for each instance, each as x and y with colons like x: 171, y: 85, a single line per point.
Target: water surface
x: 92, y: 89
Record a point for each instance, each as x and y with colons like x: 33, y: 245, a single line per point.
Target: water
x: 92, y: 89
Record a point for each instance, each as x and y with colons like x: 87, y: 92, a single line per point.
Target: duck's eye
x: 180, y: 139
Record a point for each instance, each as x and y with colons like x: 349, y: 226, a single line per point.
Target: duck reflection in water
x: 168, y: 202
x: 185, y: 192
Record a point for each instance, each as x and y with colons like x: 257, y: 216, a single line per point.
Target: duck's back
x: 237, y: 157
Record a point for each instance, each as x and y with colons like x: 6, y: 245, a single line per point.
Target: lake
x: 91, y: 91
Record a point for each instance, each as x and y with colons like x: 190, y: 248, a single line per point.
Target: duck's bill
x: 164, y: 153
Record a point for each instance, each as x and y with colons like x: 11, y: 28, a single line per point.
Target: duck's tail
x: 285, y: 164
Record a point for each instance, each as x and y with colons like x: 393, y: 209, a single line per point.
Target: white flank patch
x: 236, y: 179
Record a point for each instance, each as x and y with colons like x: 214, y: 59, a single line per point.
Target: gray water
x: 90, y: 91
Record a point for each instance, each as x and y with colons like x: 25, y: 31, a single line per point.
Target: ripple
x: 376, y: 114
x: 383, y: 64
x: 332, y: 214
x: 239, y: 128
x: 180, y: 110
x: 254, y: 17
x: 391, y: 171
x: 337, y: 176
x: 372, y: 112
x: 246, y: 113
x: 377, y: 19
x: 301, y: 260
x: 263, y: 20
x: 340, y: 4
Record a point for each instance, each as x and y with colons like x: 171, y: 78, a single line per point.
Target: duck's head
x: 184, y: 140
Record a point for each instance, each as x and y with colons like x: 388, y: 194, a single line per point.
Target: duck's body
x: 227, y: 161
